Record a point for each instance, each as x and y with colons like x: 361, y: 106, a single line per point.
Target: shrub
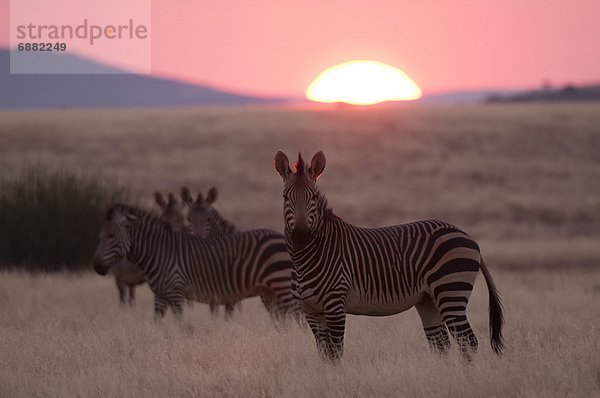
x: 50, y: 217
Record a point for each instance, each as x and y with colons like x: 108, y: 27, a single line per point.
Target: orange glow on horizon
x: 363, y: 82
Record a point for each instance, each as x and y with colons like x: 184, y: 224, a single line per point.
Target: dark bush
x: 50, y: 218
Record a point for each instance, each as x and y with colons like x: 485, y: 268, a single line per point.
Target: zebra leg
x: 452, y: 283
x: 319, y: 328
x: 177, y: 307
x: 131, y: 294
x: 461, y: 330
x: 336, y: 325
x: 160, y: 306
x: 433, y: 325
x: 229, y: 310
x: 122, y: 291
x: 282, y: 305
x: 335, y: 319
x: 176, y: 298
x: 214, y: 309
x: 268, y: 300
x: 298, y: 316
x: 452, y: 306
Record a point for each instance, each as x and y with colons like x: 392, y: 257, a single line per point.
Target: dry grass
x: 63, y: 335
x: 523, y: 179
x: 505, y: 173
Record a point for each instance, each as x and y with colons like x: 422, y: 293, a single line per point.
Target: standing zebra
x: 179, y: 265
x: 127, y: 275
x: 206, y: 222
x: 173, y: 212
x: 340, y: 269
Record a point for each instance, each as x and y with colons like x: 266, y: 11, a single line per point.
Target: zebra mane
x: 226, y: 225
x: 123, y: 209
x: 300, y: 165
x: 133, y: 214
x: 327, y: 211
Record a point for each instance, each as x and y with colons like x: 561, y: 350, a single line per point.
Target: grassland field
x: 523, y: 179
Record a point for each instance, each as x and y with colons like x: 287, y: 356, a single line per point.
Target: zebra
x: 206, y: 222
x: 128, y: 275
x: 179, y: 265
x: 340, y: 269
x: 174, y: 212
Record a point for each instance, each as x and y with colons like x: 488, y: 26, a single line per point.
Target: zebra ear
x: 186, y: 196
x: 317, y: 165
x: 160, y: 200
x: 282, y: 165
x: 212, y: 195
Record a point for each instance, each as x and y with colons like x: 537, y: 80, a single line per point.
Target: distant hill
x: 105, y: 90
x: 566, y: 93
x: 466, y: 96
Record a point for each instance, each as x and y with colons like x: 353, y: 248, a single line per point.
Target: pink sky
x: 278, y: 47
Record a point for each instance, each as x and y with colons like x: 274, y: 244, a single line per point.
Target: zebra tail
x: 496, y: 311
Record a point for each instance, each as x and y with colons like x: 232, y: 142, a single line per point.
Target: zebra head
x: 173, y: 212
x: 302, y: 201
x: 200, y: 210
x: 115, y: 239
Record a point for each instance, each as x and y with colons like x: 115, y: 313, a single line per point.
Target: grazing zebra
x: 127, y: 275
x: 340, y: 269
x: 206, y: 222
x: 179, y: 265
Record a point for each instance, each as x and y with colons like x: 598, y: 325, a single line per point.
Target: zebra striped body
x: 179, y: 266
x: 207, y: 222
x: 382, y: 271
x: 343, y: 269
x: 127, y: 275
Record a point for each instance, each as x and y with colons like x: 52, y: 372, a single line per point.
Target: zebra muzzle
x: 100, y: 268
x: 300, y: 236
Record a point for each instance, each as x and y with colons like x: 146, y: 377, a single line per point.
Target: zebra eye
x: 285, y: 197
x: 111, y: 236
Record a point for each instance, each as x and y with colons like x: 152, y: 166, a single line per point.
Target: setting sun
x: 362, y: 82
